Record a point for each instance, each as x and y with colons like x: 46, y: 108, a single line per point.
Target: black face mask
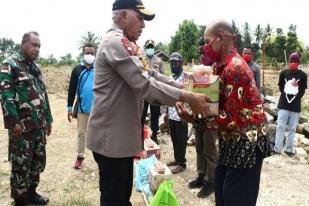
x: 176, y: 70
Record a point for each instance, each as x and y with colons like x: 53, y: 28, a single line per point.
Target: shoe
x: 79, y: 162
x: 178, y: 169
x: 20, y: 202
x: 291, y: 154
x: 198, y: 182
x: 172, y: 163
x: 37, y: 199
x: 205, y: 191
x: 276, y: 153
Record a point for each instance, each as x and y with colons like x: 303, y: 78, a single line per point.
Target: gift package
x: 202, y: 80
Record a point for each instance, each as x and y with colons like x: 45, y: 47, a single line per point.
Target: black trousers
x: 116, y: 180
x: 179, y: 135
x: 154, y: 118
x: 238, y: 187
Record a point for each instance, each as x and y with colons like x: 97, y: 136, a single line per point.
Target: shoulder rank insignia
x: 5, y: 69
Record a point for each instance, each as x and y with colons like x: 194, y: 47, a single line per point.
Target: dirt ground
x: 284, y: 181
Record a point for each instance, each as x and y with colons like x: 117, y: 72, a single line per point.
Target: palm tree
x: 89, y: 38
x: 258, y: 34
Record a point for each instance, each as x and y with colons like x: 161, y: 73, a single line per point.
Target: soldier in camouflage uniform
x: 28, y: 119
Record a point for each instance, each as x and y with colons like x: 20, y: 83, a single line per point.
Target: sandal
x: 172, y: 163
x: 178, y: 169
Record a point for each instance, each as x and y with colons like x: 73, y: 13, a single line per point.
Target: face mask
x: 293, y: 66
x: 247, y: 57
x: 175, y: 69
x: 150, y: 52
x: 213, y: 56
x: 89, y: 58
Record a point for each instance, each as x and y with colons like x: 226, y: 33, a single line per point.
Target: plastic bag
x: 142, y: 172
x: 165, y: 195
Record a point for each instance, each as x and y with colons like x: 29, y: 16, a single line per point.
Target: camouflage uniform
x: 24, y: 101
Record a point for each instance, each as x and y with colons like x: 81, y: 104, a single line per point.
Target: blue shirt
x: 84, y: 90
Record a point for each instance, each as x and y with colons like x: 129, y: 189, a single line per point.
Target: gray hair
x: 26, y: 36
x: 116, y: 15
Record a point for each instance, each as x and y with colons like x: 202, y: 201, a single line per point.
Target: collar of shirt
x: 82, y: 64
x: 219, y: 68
x: 21, y: 58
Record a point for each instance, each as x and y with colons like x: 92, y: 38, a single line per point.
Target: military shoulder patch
x: 5, y: 69
x: 130, y: 47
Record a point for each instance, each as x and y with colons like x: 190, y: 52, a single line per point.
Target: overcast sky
x: 61, y: 23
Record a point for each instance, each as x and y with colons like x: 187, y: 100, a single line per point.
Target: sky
x: 62, y: 23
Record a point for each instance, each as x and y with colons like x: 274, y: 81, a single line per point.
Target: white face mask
x: 89, y: 58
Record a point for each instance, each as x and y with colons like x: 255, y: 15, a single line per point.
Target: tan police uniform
x: 121, y: 84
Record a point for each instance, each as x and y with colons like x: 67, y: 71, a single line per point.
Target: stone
x: 300, y: 128
x: 306, y: 149
x: 272, y: 132
x: 306, y: 131
x: 300, y: 152
x: 297, y: 139
x: 303, y: 161
x: 270, y: 118
x: 302, y: 119
x: 304, y: 141
x: 271, y: 108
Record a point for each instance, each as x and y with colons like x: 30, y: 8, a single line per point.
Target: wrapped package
x: 201, y: 80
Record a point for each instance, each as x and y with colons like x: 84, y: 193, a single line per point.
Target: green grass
x: 69, y: 187
x: 77, y: 200
x: 4, y: 173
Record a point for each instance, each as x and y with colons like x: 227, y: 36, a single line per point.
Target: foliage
x: 185, y: 40
x: 163, y: 47
x: 246, y: 34
x: 238, y: 40
x: 89, y: 38
x: 7, y: 47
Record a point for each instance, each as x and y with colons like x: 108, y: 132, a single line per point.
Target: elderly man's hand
x: 197, y: 101
x: 183, y: 113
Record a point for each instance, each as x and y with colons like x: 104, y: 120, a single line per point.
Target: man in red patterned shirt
x: 243, y: 142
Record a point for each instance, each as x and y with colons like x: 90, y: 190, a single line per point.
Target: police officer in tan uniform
x: 122, y: 82
x: 156, y: 64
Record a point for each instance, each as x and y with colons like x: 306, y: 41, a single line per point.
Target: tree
x: 185, y: 40
x: 246, y: 34
x: 258, y: 34
x: 6, y: 47
x: 279, y: 46
x: 163, y: 47
x: 201, y: 31
x: 238, y: 41
x: 89, y: 38
x: 292, y: 43
x: 175, y: 43
x: 50, y: 60
x: 66, y: 60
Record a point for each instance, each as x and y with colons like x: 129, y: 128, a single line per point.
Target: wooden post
x: 263, y: 57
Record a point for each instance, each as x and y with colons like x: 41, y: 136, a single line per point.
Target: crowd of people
x: 109, y: 95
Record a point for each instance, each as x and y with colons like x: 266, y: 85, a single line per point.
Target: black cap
x: 149, y: 42
x: 176, y: 57
x: 136, y: 5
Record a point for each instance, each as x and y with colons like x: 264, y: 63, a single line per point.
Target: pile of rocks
x: 301, y: 141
